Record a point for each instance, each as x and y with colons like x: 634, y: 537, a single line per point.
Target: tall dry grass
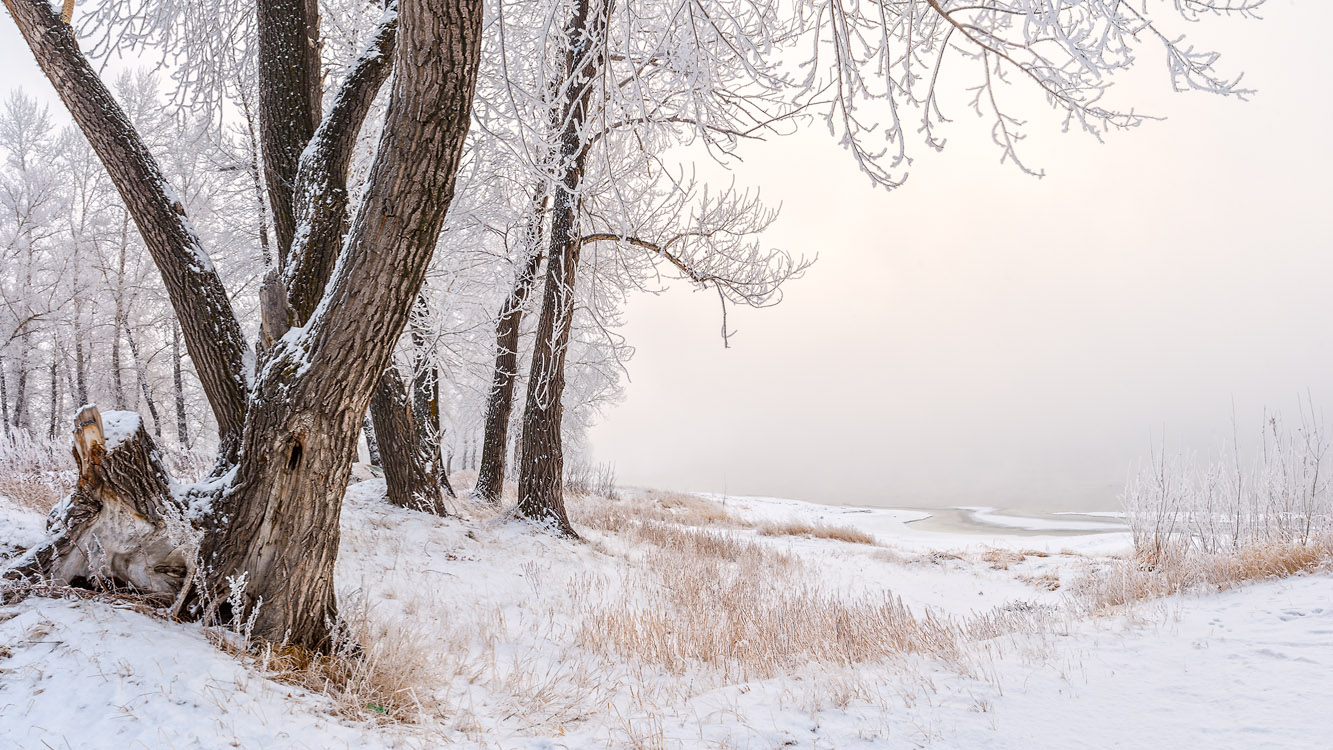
x: 815, y: 531
x: 34, y: 474
x: 743, y: 609
x: 1217, y: 524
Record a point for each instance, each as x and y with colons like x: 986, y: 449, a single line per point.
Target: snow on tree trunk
x: 270, y: 536
x: 500, y: 400
x: 541, y: 468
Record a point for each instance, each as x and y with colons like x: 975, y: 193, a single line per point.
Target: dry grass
x: 376, y: 669
x: 1216, y: 525
x: 36, y: 492
x: 748, y: 611
x: 616, y: 514
x: 1117, y: 583
x: 816, y: 531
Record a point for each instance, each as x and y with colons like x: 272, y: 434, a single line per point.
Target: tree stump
x: 121, y: 528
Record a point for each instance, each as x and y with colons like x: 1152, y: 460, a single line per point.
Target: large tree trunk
x: 300, y: 433
x: 411, y: 482
x: 500, y: 400
x: 541, y: 466
x: 271, y: 534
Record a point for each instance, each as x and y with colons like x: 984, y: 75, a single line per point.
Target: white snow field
x: 690, y: 622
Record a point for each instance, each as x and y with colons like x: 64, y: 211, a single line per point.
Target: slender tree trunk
x: 178, y: 388
x: 118, y: 317
x: 372, y: 442
x: 541, y: 468
x: 4, y: 397
x: 80, y: 363
x: 256, y: 178
x: 142, y: 377
x: 55, y: 399
x: 500, y: 400
x: 426, y: 399
x: 21, y: 385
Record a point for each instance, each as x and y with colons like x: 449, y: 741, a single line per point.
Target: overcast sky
x: 982, y: 337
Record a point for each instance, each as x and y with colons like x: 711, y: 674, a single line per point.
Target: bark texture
x: 411, y: 481
x: 541, y: 463
x: 121, y: 528
x: 271, y: 538
x: 289, y: 101
x: 300, y: 432
x: 426, y: 399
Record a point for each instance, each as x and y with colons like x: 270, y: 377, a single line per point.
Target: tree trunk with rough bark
x: 121, y: 528
x: 4, y: 397
x: 289, y: 101
x: 269, y: 521
x: 426, y: 400
x: 178, y: 388
x: 541, y: 465
x: 411, y: 484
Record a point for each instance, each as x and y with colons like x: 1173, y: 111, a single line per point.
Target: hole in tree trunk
x: 295, y: 457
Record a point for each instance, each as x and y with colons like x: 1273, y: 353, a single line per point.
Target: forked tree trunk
x: 270, y: 537
x: 500, y: 400
x: 541, y: 466
x: 411, y: 482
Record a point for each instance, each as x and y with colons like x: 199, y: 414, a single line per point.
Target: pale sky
x: 980, y: 337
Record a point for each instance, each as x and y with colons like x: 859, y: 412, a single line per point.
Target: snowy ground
x: 500, y: 636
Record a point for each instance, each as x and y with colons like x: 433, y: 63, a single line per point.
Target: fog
x: 981, y: 337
